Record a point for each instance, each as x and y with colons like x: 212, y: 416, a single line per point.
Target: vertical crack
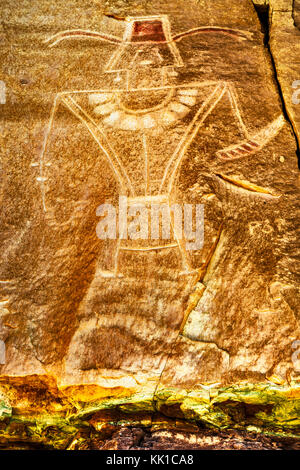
x: 193, y: 302
x: 263, y: 13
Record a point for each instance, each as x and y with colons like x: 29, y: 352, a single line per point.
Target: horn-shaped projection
x: 145, y: 30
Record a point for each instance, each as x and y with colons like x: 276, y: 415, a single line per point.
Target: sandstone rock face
x: 110, y: 111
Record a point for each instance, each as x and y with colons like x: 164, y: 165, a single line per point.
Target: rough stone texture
x: 203, y: 335
x: 285, y: 49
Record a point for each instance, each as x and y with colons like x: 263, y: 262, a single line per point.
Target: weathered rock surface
x: 162, y: 103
